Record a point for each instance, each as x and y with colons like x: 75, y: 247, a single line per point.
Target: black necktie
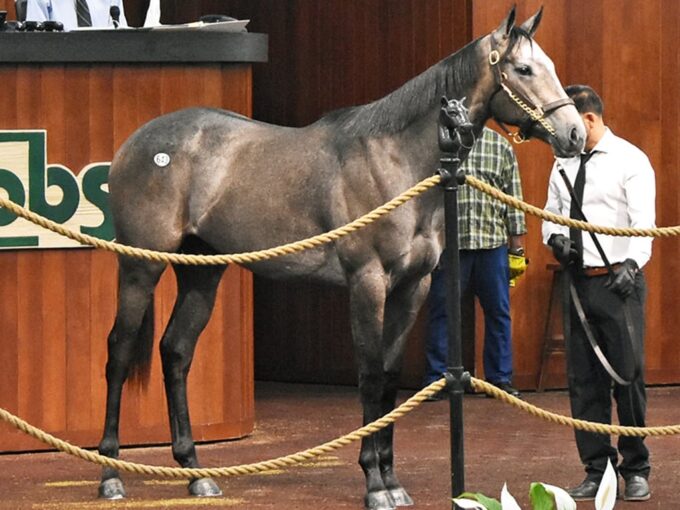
x: 575, y: 234
x: 83, y: 14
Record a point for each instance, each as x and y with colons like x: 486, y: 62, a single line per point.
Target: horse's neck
x: 421, y: 140
x: 477, y: 88
x: 410, y: 115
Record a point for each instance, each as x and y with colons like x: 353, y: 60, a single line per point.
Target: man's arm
x: 516, y: 221
x: 640, y: 188
x: 553, y: 205
x: 516, y: 245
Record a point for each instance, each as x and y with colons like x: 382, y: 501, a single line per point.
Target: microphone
x: 114, y: 11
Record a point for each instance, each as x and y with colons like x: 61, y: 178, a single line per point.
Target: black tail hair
x: 140, y: 367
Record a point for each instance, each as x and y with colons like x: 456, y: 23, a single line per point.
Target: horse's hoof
x: 111, y: 488
x: 380, y: 500
x: 204, y: 488
x: 401, y: 497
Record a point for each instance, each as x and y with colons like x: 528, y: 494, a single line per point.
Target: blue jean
x: 487, y: 273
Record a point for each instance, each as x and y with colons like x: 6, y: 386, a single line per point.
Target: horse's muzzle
x: 570, y: 143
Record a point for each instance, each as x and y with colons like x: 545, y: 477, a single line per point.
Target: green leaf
x: 467, y: 495
x: 489, y: 503
x: 540, y: 498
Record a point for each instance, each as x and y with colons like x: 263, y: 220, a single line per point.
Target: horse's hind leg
x: 133, y: 326
x: 196, y: 291
x: 401, y: 309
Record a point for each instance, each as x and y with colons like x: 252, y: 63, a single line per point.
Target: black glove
x: 563, y: 249
x: 623, y: 282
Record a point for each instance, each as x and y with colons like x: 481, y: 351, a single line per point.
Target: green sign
x: 80, y: 202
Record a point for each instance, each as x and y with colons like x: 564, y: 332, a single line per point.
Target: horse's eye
x: 524, y: 70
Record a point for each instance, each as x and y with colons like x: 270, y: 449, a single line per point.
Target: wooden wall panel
x: 664, y: 358
x: 8, y: 6
x: 59, y: 305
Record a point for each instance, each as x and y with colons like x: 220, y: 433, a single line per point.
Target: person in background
x: 614, y: 181
x: 487, y: 231
x: 76, y: 14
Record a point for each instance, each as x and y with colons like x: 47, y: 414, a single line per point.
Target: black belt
x: 597, y: 271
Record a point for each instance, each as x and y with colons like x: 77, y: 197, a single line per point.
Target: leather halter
x: 533, y: 113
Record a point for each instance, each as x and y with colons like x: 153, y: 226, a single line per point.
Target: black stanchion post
x: 454, y: 131
x: 454, y: 375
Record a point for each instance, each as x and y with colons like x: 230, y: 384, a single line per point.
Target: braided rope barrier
x: 332, y: 235
x: 306, y: 455
x: 589, y: 426
x: 569, y: 222
x: 236, y: 258
x: 244, y: 469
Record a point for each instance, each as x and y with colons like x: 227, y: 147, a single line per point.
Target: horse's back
x: 220, y: 176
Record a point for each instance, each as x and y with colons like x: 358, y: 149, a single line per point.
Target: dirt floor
x: 502, y: 445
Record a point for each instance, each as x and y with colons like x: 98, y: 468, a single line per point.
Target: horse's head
x: 528, y: 92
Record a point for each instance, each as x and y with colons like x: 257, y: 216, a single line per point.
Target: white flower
x: 468, y: 504
x: 606, y: 493
x: 563, y: 501
x: 507, y: 501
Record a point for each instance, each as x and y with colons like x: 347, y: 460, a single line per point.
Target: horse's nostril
x: 574, y: 135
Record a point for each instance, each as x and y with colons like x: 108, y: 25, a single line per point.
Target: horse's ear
x: 506, y: 26
x: 532, y: 23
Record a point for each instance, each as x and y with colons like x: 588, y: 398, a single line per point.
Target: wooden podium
x: 90, y: 91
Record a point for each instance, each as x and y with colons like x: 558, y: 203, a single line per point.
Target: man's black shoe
x: 584, y: 492
x: 507, y: 387
x: 637, y: 489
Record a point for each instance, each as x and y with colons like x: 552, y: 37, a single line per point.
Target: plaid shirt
x: 484, y: 222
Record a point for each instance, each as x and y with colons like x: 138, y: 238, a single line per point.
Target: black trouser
x: 590, y: 387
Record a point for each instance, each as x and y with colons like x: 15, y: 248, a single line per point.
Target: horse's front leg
x: 401, y: 310
x: 196, y: 292
x: 367, y: 304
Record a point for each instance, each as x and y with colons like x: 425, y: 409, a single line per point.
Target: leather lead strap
x: 591, y: 338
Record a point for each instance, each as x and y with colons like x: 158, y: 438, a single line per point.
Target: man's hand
x: 517, y: 263
x: 563, y: 249
x: 623, y: 282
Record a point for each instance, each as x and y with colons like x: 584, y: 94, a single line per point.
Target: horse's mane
x: 452, y: 76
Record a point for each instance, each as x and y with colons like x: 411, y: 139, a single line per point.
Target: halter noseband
x: 534, y: 113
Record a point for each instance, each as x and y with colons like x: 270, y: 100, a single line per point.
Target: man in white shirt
x: 617, y: 186
x: 65, y: 11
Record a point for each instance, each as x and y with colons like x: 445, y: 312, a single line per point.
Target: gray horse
x: 211, y: 181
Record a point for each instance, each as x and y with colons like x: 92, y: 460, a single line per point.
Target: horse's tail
x: 140, y: 365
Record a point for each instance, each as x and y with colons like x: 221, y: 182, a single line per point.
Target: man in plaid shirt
x: 487, y: 230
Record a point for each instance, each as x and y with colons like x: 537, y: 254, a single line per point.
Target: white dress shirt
x: 65, y: 11
x: 620, y: 191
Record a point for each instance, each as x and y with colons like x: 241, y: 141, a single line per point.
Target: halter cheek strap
x: 533, y: 113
